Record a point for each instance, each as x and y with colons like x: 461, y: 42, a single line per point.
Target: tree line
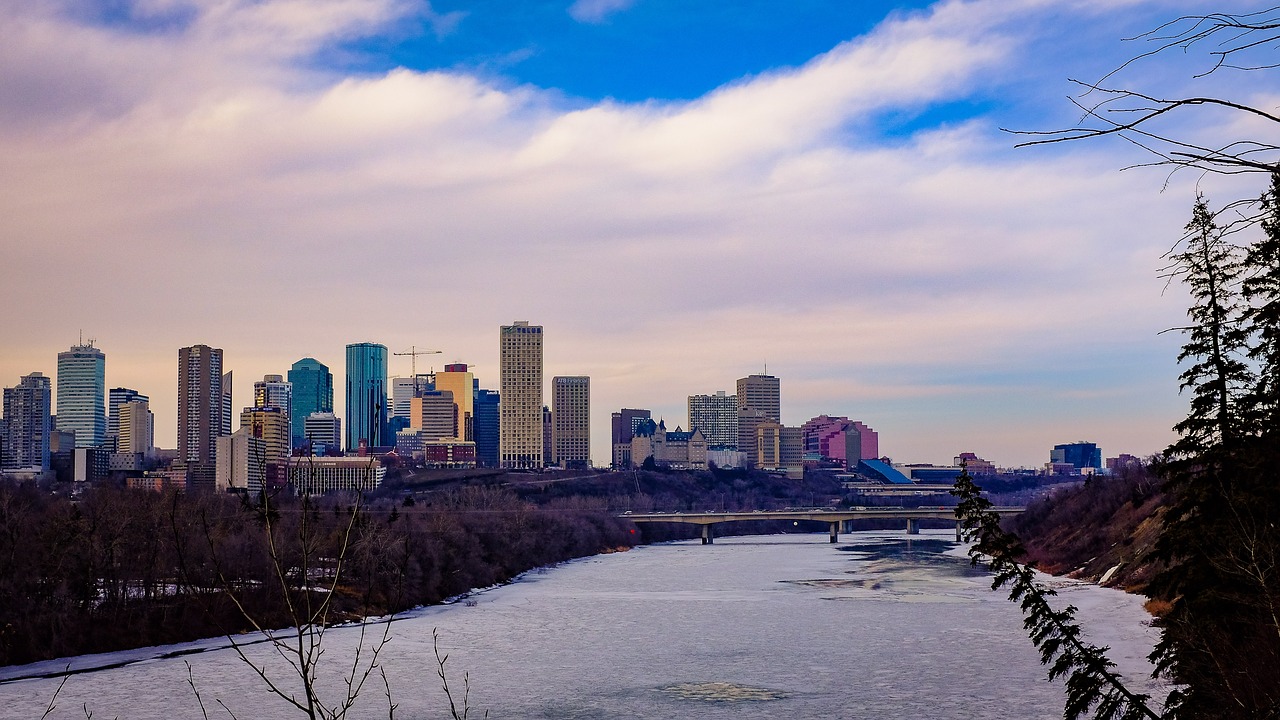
x: 122, y: 568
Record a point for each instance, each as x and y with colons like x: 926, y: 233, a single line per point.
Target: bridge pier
x: 835, y: 531
x: 708, y: 537
x: 913, y: 526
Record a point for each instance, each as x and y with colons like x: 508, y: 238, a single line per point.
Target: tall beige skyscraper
x: 759, y: 400
x: 520, y: 388
x: 571, y: 421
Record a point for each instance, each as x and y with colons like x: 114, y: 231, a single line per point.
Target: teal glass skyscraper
x: 366, y: 395
x: 312, y: 393
x: 82, y: 394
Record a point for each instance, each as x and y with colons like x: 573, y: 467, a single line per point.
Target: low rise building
x: 726, y: 458
x: 448, y: 454
x: 320, y: 475
x: 1123, y: 461
x: 975, y: 464
x: 92, y: 465
x: 1080, y: 455
x: 159, y: 480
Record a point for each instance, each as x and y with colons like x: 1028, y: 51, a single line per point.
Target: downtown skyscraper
x: 27, y: 425
x: 488, y: 427
x: 520, y: 386
x: 201, y: 400
x: 623, y: 428
x: 367, y: 396
x: 571, y: 421
x: 274, y: 391
x: 759, y: 402
x: 135, y: 427
x: 457, y: 379
x: 82, y: 394
x: 717, y: 417
x: 312, y: 393
x: 116, y: 398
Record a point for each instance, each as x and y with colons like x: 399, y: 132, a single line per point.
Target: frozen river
x: 876, y: 626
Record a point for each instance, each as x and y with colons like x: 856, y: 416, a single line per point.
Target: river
x: 880, y: 625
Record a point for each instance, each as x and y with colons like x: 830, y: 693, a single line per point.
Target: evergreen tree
x: 1215, y: 643
x: 1219, y: 542
x: 1216, y: 339
x: 1262, y: 290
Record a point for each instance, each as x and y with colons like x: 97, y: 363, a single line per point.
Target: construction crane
x: 414, y: 352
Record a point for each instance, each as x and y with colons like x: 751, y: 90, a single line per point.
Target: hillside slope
x: 1102, y: 530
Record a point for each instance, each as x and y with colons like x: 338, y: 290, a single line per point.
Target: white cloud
x: 597, y: 11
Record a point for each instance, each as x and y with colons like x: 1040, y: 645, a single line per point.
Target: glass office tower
x: 366, y: 421
x: 312, y: 393
x: 82, y: 394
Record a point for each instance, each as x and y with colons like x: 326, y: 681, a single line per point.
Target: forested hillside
x: 126, y: 568
x: 1102, y: 529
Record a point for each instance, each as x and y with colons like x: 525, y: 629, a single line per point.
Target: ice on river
x: 878, y: 625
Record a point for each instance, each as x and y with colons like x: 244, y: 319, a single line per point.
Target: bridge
x: 835, y: 519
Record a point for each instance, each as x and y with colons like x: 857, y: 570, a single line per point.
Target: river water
x: 877, y: 626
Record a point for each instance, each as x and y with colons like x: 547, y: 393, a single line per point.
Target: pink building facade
x: 828, y: 437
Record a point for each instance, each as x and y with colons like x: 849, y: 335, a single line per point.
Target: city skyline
x: 817, y: 192
x: 765, y: 386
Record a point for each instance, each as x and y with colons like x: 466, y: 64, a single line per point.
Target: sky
x: 681, y: 193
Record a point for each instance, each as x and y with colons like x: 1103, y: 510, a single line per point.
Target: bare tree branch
x: 1243, y: 42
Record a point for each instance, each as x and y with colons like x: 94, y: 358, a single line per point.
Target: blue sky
x: 636, y: 51
x: 678, y: 192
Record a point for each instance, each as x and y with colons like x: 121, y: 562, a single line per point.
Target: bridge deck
x: 829, y: 516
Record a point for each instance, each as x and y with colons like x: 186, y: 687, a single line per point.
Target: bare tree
x: 308, y: 558
x: 1228, y: 42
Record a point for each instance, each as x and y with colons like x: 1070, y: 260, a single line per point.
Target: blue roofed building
x: 882, y: 471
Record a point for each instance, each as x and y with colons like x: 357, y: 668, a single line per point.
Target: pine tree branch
x: 1091, y: 681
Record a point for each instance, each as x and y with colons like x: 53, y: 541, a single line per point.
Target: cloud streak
x: 597, y: 11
